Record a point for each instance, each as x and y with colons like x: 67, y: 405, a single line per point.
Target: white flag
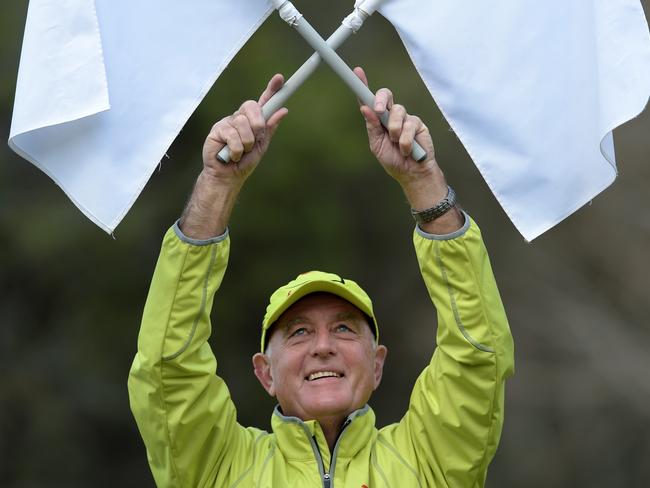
x: 533, y: 89
x: 104, y: 87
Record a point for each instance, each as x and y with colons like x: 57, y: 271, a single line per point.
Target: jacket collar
x: 294, y: 436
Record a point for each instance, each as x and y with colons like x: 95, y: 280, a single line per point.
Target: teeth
x: 323, y: 374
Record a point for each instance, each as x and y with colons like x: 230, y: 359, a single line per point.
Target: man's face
x: 322, y: 360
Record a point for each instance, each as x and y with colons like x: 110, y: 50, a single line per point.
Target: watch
x: 440, y: 208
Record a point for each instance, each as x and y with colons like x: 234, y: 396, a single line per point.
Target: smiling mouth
x: 323, y: 374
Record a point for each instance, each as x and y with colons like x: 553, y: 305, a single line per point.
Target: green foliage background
x: 71, y: 297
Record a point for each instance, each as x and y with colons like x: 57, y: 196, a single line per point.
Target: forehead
x: 319, y: 305
x: 315, y: 305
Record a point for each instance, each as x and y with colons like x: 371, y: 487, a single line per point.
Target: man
x: 320, y: 352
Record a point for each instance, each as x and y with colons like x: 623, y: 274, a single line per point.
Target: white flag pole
x: 350, y: 25
x: 294, y: 18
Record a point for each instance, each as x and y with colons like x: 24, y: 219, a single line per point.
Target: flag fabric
x: 533, y: 90
x: 105, y: 86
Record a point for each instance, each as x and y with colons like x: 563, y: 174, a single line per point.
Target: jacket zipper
x: 319, y: 458
x: 327, y: 476
x: 326, y: 480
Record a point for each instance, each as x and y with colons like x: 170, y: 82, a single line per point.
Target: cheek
x: 285, y: 371
x: 363, y: 362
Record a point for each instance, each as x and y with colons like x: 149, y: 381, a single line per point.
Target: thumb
x: 373, y: 124
x: 275, y: 119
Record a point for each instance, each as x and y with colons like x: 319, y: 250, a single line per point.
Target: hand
x: 392, y: 146
x: 247, y: 135
x: 423, y: 183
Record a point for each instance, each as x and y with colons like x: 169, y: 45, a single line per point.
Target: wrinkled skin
x: 321, y: 333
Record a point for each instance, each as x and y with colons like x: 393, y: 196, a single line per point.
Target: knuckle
x: 394, y: 125
x: 405, y: 137
x: 258, y: 125
x: 229, y: 132
x: 220, y: 126
x: 410, y: 127
x: 240, y: 120
x: 250, y: 107
x: 382, y: 96
x: 394, y: 135
x: 248, y: 142
x: 249, y: 104
x: 413, y: 120
x: 228, y: 126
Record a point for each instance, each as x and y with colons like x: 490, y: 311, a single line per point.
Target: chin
x: 329, y: 408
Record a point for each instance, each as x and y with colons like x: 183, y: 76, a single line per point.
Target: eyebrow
x: 296, y: 320
x: 348, y: 315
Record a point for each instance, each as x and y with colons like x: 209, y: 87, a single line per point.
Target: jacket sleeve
x: 455, y: 414
x: 183, y: 410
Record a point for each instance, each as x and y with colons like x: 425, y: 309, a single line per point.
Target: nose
x: 323, y: 344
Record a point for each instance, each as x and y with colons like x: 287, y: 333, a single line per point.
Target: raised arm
x: 183, y: 410
x: 455, y: 414
x: 217, y: 187
x: 423, y: 183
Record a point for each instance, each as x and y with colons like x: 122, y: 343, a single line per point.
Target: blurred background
x: 578, y: 297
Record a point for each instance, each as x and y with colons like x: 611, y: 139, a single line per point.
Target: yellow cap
x: 312, y: 282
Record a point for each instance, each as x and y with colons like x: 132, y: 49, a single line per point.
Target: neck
x: 331, y: 428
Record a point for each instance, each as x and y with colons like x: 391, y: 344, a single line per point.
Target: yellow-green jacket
x: 446, y: 438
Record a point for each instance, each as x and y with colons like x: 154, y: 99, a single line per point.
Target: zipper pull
x: 326, y: 480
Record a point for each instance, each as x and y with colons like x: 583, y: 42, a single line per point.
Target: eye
x: 343, y: 328
x: 298, y: 332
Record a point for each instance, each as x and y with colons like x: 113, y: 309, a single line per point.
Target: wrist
x: 436, y: 211
x: 446, y: 224
x: 213, y: 179
x: 427, y: 189
x: 208, y: 211
x: 424, y: 189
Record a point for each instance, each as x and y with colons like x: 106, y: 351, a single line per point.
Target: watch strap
x: 440, y: 208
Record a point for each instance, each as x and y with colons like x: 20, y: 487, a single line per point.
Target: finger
x: 253, y: 112
x: 230, y: 135
x: 423, y: 137
x: 396, y: 118
x: 215, y: 135
x: 373, y: 124
x: 243, y: 127
x: 410, y: 128
x: 275, y: 119
x: 274, y: 85
x: 383, y: 100
x: 361, y: 74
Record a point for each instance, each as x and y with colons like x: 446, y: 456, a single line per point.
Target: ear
x: 380, y: 358
x: 262, y: 368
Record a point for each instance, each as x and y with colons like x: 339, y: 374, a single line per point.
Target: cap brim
x: 318, y: 286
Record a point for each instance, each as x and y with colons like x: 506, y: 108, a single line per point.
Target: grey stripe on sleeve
x: 446, y: 237
x: 198, y: 242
